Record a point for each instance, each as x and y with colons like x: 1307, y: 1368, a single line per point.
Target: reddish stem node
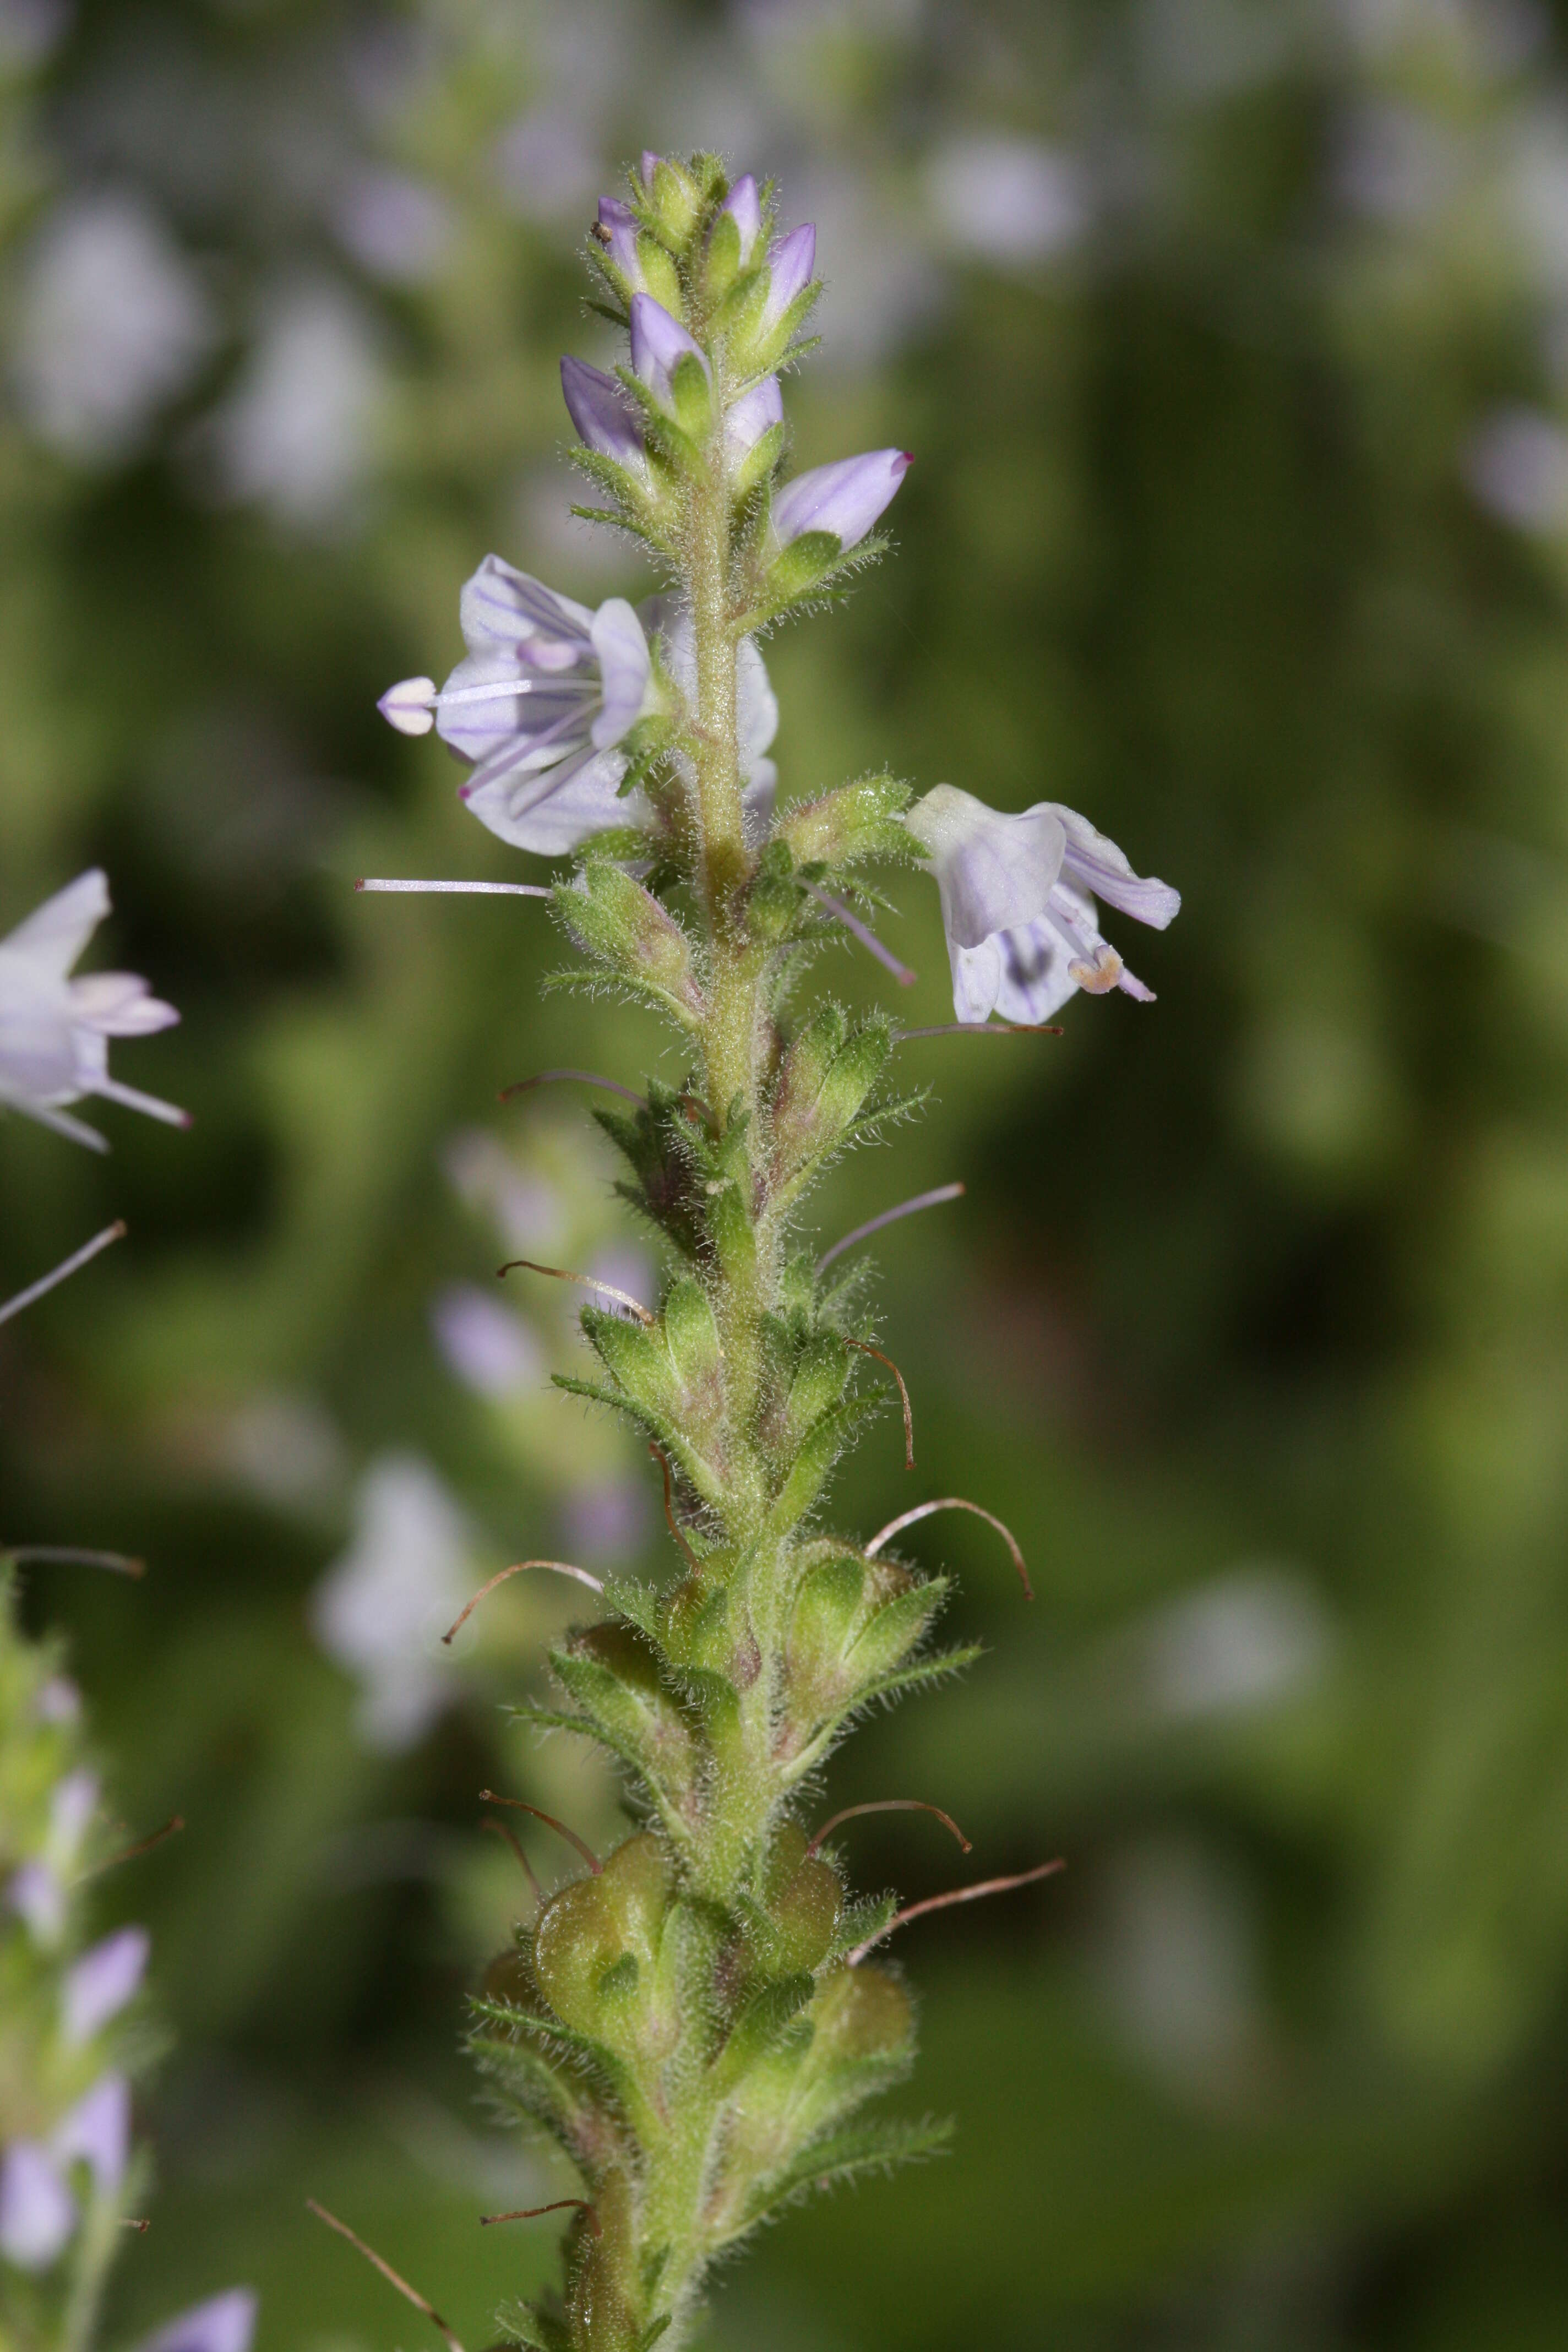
x: 954, y: 1502
x: 490, y: 1797
x: 887, y: 1805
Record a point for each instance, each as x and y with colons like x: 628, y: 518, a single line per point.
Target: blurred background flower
x: 1232, y: 339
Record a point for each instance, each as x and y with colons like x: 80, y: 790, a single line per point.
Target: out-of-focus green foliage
x: 1230, y: 340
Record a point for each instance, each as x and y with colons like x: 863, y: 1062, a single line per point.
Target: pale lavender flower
x: 54, y: 1031
x: 38, y: 2212
x: 489, y: 1347
x: 225, y: 2323
x: 791, y: 260
x: 659, y: 344
x: 39, y: 1890
x: 755, y: 413
x: 546, y: 696
x: 602, y: 411
x: 97, y: 2132
x: 845, y: 498
x: 99, y: 1984
x: 744, y: 204
x: 1017, y: 904
x: 380, y: 1609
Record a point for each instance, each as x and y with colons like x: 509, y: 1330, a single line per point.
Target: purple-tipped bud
x: 755, y: 413
x: 619, y: 224
x: 658, y: 345
x: 599, y: 408
x: 790, y: 264
x: 744, y: 204
x: 845, y: 498
x: 648, y: 166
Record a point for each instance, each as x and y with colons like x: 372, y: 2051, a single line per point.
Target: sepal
x: 625, y: 927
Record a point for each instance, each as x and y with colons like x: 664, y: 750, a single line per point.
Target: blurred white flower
x: 54, y: 1031
x: 112, y: 323
x: 489, y: 1346
x: 299, y: 432
x: 1248, y: 1638
x: 1517, y: 467
x: 396, y: 226
x: 380, y: 1609
x: 1006, y: 200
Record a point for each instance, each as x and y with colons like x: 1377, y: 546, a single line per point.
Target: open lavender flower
x: 1018, y: 904
x: 54, y: 1031
x: 548, y: 694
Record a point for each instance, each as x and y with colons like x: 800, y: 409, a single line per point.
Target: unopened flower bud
x: 602, y: 413
x: 664, y: 355
x: 844, y: 498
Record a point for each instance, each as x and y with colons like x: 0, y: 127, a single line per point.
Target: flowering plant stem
x: 697, y: 2019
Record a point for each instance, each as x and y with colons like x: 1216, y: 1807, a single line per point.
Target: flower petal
x: 745, y: 203
x: 620, y: 224
x: 120, y: 1004
x: 97, y: 2132
x: 501, y: 607
x: 755, y: 413
x: 845, y: 498
x: 626, y: 665
x: 756, y: 708
x: 98, y: 1986
x: 552, y: 813
x: 790, y: 264
x: 1036, y: 976
x: 994, y: 872
x: 55, y: 934
x: 225, y: 2323
x: 37, y: 2212
x: 658, y: 345
x: 602, y: 413
x: 1099, y: 866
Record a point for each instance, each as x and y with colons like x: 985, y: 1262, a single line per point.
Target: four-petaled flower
x: 54, y: 1031
x: 1017, y: 904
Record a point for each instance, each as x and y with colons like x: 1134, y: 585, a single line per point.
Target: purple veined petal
x: 500, y: 607
x: 845, y: 498
x: 600, y: 410
x: 38, y: 2212
x: 54, y: 935
x: 658, y: 345
x: 791, y: 260
x: 225, y: 2323
x: 489, y: 706
x: 620, y: 224
x: 1098, y: 867
x: 98, y: 1986
x: 97, y: 2132
x: 1034, y: 979
x: 755, y: 413
x: 119, y: 1004
x: 626, y: 665
x: 551, y: 814
x: 744, y: 206
x: 994, y: 873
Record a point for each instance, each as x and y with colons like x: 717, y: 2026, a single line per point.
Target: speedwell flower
x: 54, y: 1031
x: 547, y: 696
x: 1017, y: 904
x: 845, y: 498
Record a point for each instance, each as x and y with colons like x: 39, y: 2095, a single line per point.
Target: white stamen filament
x: 477, y: 889
x: 134, y: 1099
x: 498, y: 688
x: 67, y: 1267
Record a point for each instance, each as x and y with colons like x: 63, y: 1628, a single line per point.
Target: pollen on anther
x: 407, y: 706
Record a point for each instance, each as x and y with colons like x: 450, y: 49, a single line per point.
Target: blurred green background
x: 1232, y: 339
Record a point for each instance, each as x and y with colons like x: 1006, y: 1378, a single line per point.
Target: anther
x: 585, y: 1077
x: 662, y: 1458
x: 954, y: 1894
x: 589, y: 1282
x: 67, y: 1266
x: 407, y: 706
x: 864, y: 1348
x: 890, y: 1217
x: 533, y: 2212
x: 887, y: 1805
x: 490, y: 1797
x: 387, y: 2272
x: 953, y: 1503
x: 561, y: 1568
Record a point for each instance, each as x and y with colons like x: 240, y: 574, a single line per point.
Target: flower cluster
x: 697, y: 2022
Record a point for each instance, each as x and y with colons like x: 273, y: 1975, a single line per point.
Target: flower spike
x: 953, y: 1503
